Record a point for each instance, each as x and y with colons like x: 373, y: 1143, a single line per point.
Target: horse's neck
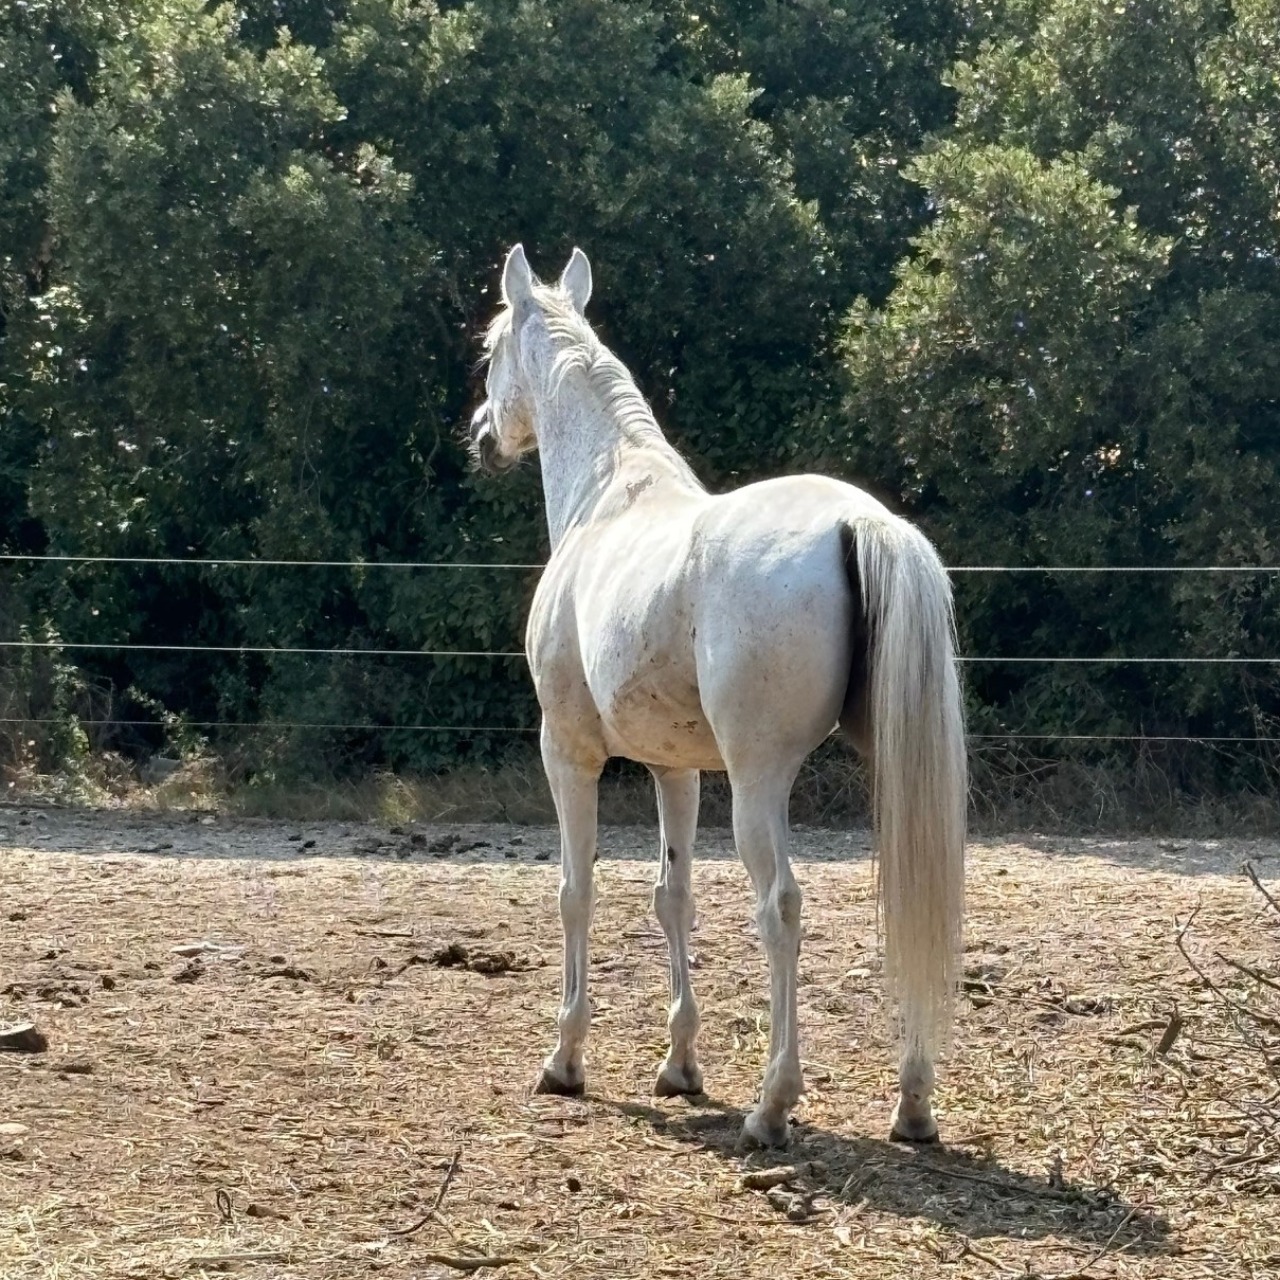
x: 584, y: 449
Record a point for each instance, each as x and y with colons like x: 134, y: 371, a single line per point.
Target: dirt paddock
x: 306, y: 1051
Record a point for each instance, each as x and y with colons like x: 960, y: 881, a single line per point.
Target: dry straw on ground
x: 275, y: 1058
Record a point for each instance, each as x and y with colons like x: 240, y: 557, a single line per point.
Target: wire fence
x: 503, y: 566
x: 216, y: 563
x: 355, y: 727
x: 281, y: 724
x: 232, y: 562
x: 129, y: 647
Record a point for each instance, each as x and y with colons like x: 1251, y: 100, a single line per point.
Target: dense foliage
x: 1080, y: 362
x: 1014, y: 266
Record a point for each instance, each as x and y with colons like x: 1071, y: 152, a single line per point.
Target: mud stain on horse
x: 636, y: 488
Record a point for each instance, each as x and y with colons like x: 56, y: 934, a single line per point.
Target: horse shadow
x: 978, y: 1198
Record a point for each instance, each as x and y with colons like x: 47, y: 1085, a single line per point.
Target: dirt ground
x: 272, y: 1048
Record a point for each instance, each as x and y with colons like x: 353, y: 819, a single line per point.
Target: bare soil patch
x: 272, y: 1047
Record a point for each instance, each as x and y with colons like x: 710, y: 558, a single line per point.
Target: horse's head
x: 503, y: 427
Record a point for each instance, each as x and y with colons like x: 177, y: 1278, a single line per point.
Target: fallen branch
x: 694, y: 1212
x: 1198, y: 969
x: 1079, y: 1272
x: 1252, y: 873
x: 971, y: 1250
x: 1249, y: 971
x: 763, y: 1179
x: 1171, y: 1033
x: 476, y: 1262
x: 1240, y: 1010
x: 231, y: 1259
x: 1250, y: 1018
x: 1030, y: 1188
x: 1170, y: 1026
x: 1137, y: 1028
x: 434, y: 1211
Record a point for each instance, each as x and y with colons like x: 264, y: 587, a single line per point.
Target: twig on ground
x: 475, y: 1262
x: 1250, y: 1022
x: 448, y: 1178
x: 1249, y: 971
x: 1004, y: 1184
x: 763, y: 1179
x: 971, y: 1250
x: 230, y: 1259
x: 1171, y: 1032
x: 1241, y: 1010
x: 1198, y: 969
x: 1233, y: 1164
x: 694, y: 1212
x: 1079, y: 1272
x: 1134, y: 1029
x: 1251, y: 871
x: 434, y: 1211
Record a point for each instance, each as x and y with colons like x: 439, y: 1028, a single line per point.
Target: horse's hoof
x: 759, y: 1131
x: 675, y: 1082
x: 553, y: 1083
x: 918, y: 1129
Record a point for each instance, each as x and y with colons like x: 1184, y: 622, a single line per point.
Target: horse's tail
x: 911, y: 700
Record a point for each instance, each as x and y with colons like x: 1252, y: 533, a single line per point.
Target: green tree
x: 1078, y: 365
x: 269, y: 230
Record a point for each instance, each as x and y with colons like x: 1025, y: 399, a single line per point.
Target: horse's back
x: 699, y: 626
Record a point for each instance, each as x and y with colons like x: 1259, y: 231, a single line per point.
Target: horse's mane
x: 580, y: 351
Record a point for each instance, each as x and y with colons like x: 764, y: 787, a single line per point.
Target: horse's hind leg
x: 761, y: 833
x: 913, y: 1119
x: 573, y: 788
x: 673, y: 905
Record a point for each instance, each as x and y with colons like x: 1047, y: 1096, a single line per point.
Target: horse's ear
x: 517, y: 279
x: 575, y: 280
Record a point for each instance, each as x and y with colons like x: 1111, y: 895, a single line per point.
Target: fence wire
x: 369, y: 727
x: 455, y: 565
x: 216, y: 563
x: 130, y: 647
x: 279, y: 724
x: 253, y: 563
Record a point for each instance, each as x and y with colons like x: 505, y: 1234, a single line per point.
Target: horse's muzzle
x: 484, y: 449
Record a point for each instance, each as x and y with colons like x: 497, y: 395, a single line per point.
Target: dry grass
x: 288, y: 1105
x: 1011, y: 789
x: 1154, y: 789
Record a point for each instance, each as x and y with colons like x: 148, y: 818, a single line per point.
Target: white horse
x: 690, y: 631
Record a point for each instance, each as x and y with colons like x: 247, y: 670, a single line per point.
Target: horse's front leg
x: 673, y: 905
x: 573, y: 788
